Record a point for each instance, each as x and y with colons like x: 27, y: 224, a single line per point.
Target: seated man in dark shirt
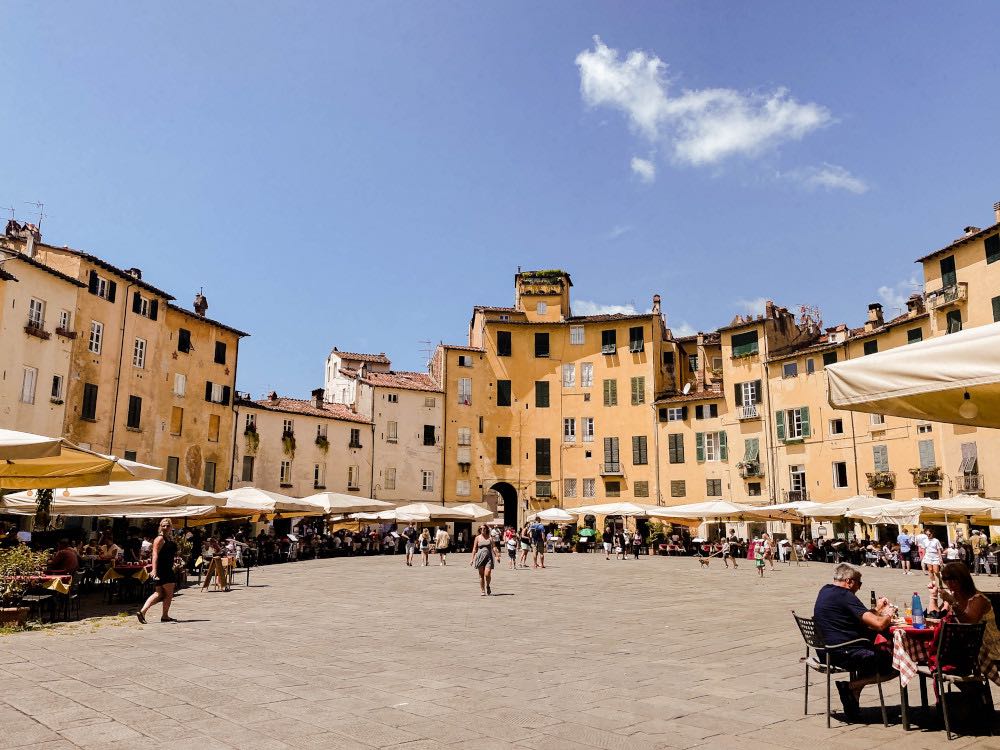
x: 841, y: 617
x: 64, y: 561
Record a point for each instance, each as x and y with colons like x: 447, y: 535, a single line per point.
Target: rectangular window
x: 102, y: 287
x: 914, y: 335
x: 587, y: 375
x: 638, y: 390
x: 321, y: 431
x: 220, y: 352
x: 57, y: 387
x: 180, y: 384
x: 503, y: 393
x: 693, y: 363
x: 355, y: 441
x: 319, y: 477
x: 430, y: 401
x: 829, y: 358
x: 640, y: 457
x: 543, y: 489
x: 392, y: 431
x: 711, y: 446
x: 541, y: 344
x: 28, y: 381
x: 285, y: 475
x: 840, y: 474
x: 926, y: 452
x: 465, y: 391
x: 176, y: 420
x: 543, y: 456
x: 871, y: 347
x: 134, y: 412
x: 954, y: 321
x: 970, y: 459
x: 463, y: 487
x: 587, y: 427
x: 576, y: 336
x: 675, y: 448
x: 611, y: 392
x: 465, y: 436
x: 745, y: 344
x: 790, y: 370
x: 748, y: 395
x: 569, y: 430
x: 923, y: 429
x: 676, y: 413
x: 569, y: 376
x: 464, y: 360
x: 65, y: 320
x: 287, y: 427
x: 836, y: 427
x: 214, y: 423
x: 706, y: 411
x: 503, y: 451
x: 139, y: 354
x: 390, y: 478
x: 183, y: 340
x: 88, y: 409
x: 880, y: 457
x: 173, y: 467
x: 992, y: 248
x: 36, y: 313
x: 569, y: 488
x: 541, y: 308
x: 948, y: 277
x: 96, y: 337
x: 589, y: 487
x: 713, y: 487
x: 427, y: 480
x: 353, y: 477
x: 640, y: 489
x: 392, y: 398
x: 541, y: 394
x: 609, y: 342
x: 251, y: 423
x: 792, y: 424
x: 613, y: 489
x: 753, y: 489
x: 810, y: 366
x: 677, y: 488
x: 216, y: 393
x: 503, y: 344
x: 635, y: 339
x: 876, y: 419
x: 247, y: 474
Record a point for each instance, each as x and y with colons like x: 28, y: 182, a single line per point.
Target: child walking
x: 758, y: 558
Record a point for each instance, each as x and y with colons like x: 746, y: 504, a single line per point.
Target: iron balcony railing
x: 928, y: 476
x: 948, y: 295
x: 795, y: 496
x: 613, y: 468
x: 748, y: 411
x: 969, y: 483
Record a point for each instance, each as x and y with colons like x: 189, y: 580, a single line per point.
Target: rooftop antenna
x: 427, y: 350
x: 9, y: 208
x: 41, y: 212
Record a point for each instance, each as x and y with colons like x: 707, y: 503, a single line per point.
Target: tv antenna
x: 41, y: 212
x: 9, y: 208
x: 427, y: 350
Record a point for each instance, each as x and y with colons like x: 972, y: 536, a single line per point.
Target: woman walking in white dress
x: 484, y: 558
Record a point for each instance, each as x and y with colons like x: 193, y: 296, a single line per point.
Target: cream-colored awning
x: 927, y: 380
x: 337, y: 502
x: 15, y: 444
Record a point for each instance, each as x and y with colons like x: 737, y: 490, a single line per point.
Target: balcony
x: 609, y: 348
x: 36, y: 328
x: 794, y: 496
x: 881, y: 480
x: 635, y: 347
x: 65, y: 333
x: 971, y: 483
x: 747, y: 411
x: 926, y: 477
x: 947, y: 296
x: 750, y: 469
x: 613, y: 469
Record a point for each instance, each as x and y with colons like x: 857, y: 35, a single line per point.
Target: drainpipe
x: 118, y: 375
x: 371, y: 485
x: 236, y: 420
x: 656, y: 448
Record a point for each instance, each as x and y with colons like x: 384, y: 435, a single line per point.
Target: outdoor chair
x: 71, y: 600
x: 37, y: 602
x: 817, y: 658
x: 956, y: 663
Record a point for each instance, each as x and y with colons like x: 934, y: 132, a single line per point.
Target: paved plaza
x: 365, y: 653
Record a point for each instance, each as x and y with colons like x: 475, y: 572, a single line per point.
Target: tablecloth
x: 912, y: 647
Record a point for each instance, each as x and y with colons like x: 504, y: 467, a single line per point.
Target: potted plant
x: 17, y: 566
x: 323, y: 443
x: 288, y: 443
x: 253, y: 439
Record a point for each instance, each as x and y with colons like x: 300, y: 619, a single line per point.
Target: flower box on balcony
x: 36, y: 330
x: 926, y: 476
x: 750, y: 469
x: 881, y: 480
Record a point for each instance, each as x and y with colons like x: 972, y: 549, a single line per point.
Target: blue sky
x: 361, y: 175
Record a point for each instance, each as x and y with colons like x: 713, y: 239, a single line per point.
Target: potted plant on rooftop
x: 17, y: 566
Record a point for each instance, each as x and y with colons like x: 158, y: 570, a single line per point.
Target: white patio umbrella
x: 836, y: 509
x: 255, y: 500
x: 120, y: 511
x: 721, y: 510
x: 434, y: 512
x: 953, y: 379
x: 630, y: 510
x: 338, y: 502
x: 478, y: 512
x: 553, y: 515
x: 902, y: 513
x: 15, y: 444
x: 143, y: 492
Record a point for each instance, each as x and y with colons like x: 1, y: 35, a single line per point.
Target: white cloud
x: 701, y: 126
x: 585, y: 307
x: 618, y: 231
x: 682, y: 329
x: 644, y: 169
x: 894, y: 297
x: 830, y: 177
x: 752, y: 306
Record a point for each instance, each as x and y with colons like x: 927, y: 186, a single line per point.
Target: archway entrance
x: 508, y: 495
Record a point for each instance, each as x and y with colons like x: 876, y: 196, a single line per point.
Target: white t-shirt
x: 932, y: 552
x: 921, y: 541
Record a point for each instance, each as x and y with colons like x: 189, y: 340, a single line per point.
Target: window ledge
x: 88, y: 419
x: 319, y: 486
x: 353, y: 489
x: 285, y: 486
x: 793, y: 441
x: 133, y: 429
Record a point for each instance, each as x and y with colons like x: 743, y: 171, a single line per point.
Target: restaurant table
x: 59, y: 583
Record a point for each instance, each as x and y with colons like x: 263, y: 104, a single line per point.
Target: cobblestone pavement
x: 362, y: 653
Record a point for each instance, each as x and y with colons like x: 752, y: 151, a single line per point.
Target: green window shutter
x: 608, y: 450
x: 881, y: 456
x: 992, y: 248
x: 643, y: 450
x: 638, y: 390
x: 635, y: 391
x: 699, y: 446
x: 804, y: 411
x: 779, y: 424
x: 635, y: 450
x: 996, y: 309
x: 758, y: 392
x: 723, y: 446
x: 607, y: 392
x: 738, y: 394
x: 614, y: 392
x: 752, y: 449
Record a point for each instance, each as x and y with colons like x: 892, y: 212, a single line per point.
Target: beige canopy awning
x: 14, y: 444
x: 73, y: 466
x: 928, y: 380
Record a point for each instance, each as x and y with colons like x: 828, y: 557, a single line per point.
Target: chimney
x: 996, y: 211
x: 971, y: 230
x: 200, y: 304
x: 317, y: 395
x: 135, y: 273
x: 875, y: 319
x: 915, y: 305
x: 656, y: 301
x: 769, y: 309
x: 273, y: 397
x: 29, y: 246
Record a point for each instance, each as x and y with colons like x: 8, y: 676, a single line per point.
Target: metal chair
x: 823, y: 665
x: 957, y: 662
x: 37, y: 602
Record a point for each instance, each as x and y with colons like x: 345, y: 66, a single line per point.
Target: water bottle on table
x: 918, y: 612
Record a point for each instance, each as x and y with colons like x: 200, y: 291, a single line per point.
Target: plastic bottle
x: 918, y: 612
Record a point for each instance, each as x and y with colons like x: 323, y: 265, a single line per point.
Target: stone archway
x: 509, y: 496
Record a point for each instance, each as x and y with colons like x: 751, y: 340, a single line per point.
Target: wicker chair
x: 815, y: 646
x: 958, y: 653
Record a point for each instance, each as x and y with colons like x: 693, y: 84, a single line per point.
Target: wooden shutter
x: 680, y: 448
x: 208, y: 390
x: 92, y: 282
x: 758, y: 392
x: 881, y: 455
x: 992, y: 248
x: 996, y: 309
x: 926, y: 448
x: 699, y: 411
x: 723, y: 446
x: 713, y: 410
x: 804, y: 412
x: 635, y: 391
x: 969, y: 458
x: 503, y: 393
x: 220, y: 352
x: 543, y: 456
x: 751, y: 449
x: 225, y: 395
x: 643, y: 451
x: 541, y: 393
x: 699, y: 446
x: 738, y: 394
x: 137, y: 303
x: 154, y: 307
x: 779, y: 424
x: 636, y: 450
x: 112, y: 289
x: 684, y: 413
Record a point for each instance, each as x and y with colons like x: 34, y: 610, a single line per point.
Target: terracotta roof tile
x: 48, y: 269
x: 965, y: 238
x: 409, y: 381
x: 307, y: 408
x: 196, y: 316
x: 492, y: 308
x: 706, y: 395
x: 461, y: 348
x: 379, y: 358
x: 606, y: 317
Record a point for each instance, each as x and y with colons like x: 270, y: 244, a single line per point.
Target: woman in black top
x: 164, y: 552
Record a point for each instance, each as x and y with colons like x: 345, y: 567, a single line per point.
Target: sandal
x: 140, y: 616
x: 167, y: 619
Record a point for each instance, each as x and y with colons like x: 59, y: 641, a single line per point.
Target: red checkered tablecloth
x: 912, y: 647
